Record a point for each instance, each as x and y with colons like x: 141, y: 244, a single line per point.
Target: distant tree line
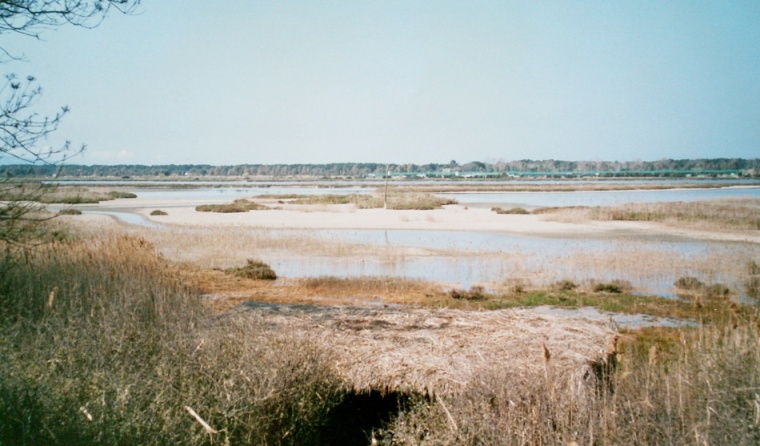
x: 665, y: 167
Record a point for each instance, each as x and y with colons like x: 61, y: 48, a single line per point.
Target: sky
x: 266, y: 82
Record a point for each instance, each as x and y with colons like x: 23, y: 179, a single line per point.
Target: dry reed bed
x: 438, y: 351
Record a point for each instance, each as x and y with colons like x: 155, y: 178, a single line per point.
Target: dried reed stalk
x: 209, y: 430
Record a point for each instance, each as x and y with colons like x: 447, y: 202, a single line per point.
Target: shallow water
x: 462, y: 259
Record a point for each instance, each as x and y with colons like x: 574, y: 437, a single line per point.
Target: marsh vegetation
x: 58, y: 195
x: 113, y: 336
x: 718, y: 215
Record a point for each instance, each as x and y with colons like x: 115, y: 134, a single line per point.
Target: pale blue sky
x: 405, y: 81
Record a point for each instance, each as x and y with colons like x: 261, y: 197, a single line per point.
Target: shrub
x: 514, y: 211
x: 71, y: 200
x: 240, y: 205
x: 69, y: 212
x: 689, y: 283
x: 614, y: 287
x: 476, y: 292
x: 717, y: 290
x: 158, y: 212
x: 564, y: 285
x: 752, y: 287
x: 119, y: 194
x: 254, y: 269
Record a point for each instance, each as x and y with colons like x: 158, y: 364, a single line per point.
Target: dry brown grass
x: 104, y: 343
x: 718, y: 215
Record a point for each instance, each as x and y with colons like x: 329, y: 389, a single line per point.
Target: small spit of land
x: 183, y: 328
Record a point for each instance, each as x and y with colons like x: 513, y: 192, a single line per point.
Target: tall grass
x: 100, y: 343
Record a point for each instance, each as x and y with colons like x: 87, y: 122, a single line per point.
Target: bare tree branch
x: 23, y: 131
